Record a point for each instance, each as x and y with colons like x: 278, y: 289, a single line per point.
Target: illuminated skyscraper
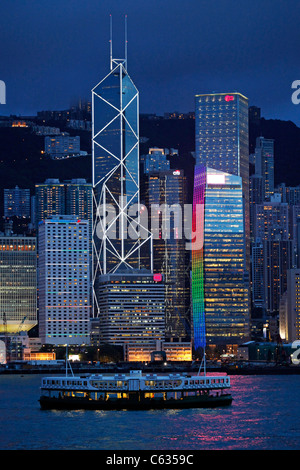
x: 115, y: 149
x: 222, y: 133
x: 18, y: 283
x: 49, y: 199
x: 72, y: 197
x: 222, y: 141
x: 17, y: 202
x: 219, y: 280
x: 132, y: 307
x: 165, y: 196
x: 64, y: 281
x: 264, y: 165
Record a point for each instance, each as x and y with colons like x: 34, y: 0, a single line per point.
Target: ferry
x: 135, y: 391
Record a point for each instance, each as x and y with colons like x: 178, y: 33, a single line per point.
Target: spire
x: 126, y: 42
x: 114, y: 61
x: 110, y: 43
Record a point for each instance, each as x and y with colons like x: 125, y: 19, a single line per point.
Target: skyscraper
x: 289, y: 318
x: 71, y: 197
x: 49, y: 199
x: 18, y: 283
x: 64, y: 281
x: 264, y: 165
x: 219, y: 279
x: 257, y: 274
x: 132, y: 307
x: 16, y: 202
x: 165, y: 195
x: 115, y: 151
x: 222, y: 141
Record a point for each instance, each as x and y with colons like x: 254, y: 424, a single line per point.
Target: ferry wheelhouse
x: 135, y: 390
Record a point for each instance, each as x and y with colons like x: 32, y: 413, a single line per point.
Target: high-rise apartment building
x: 257, y: 274
x: 64, y: 281
x: 271, y: 220
x: 219, y: 279
x: 79, y: 198
x: 18, y: 283
x: 17, y: 202
x: 278, y: 258
x: 289, y: 194
x: 49, y: 200
x: 255, y: 197
x: 264, y: 165
x: 72, y: 197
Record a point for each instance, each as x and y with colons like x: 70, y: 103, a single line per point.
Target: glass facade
x: 222, y: 132
x: 18, y: 282
x: 115, y: 170
x: 222, y: 141
x: 169, y: 254
x: 219, y: 283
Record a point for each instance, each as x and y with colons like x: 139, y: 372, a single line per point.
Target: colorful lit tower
x: 219, y: 280
x: 222, y: 141
x: 117, y: 236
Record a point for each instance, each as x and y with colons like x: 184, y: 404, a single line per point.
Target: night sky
x: 55, y: 51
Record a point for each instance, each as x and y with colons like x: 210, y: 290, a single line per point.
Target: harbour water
x: 265, y: 415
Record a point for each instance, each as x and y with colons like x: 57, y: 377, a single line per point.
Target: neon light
x: 197, y: 257
x: 229, y: 98
x: 157, y: 277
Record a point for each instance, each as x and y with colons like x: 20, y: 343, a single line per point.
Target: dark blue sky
x: 53, y: 51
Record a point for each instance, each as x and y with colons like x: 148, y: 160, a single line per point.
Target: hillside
x: 23, y: 164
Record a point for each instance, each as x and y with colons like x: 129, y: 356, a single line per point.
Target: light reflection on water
x: 265, y: 414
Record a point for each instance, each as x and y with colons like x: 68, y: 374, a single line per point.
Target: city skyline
x: 243, y: 56
x: 222, y: 146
